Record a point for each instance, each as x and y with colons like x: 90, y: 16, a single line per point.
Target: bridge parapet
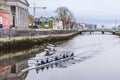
x: 97, y: 30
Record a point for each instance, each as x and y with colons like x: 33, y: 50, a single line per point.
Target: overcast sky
x: 106, y: 12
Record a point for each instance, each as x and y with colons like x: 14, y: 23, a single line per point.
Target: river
x: 98, y: 59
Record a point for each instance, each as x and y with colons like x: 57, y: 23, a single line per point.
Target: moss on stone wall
x: 27, y: 43
x: 117, y: 33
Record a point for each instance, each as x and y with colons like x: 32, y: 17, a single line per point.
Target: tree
x: 43, y: 24
x: 65, y: 15
x: 50, y: 23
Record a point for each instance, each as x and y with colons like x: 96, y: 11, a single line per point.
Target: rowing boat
x: 43, y: 65
x: 50, y: 49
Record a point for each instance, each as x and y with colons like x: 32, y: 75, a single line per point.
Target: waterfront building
x: 73, y: 26
x: 18, y: 13
x: 51, y: 22
x: 87, y: 26
x: 58, y: 25
x: 44, y: 22
x: 30, y: 20
x: 4, y: 15
x: 69, y: 26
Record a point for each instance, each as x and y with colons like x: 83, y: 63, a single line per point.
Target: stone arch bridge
x: 97, y: 30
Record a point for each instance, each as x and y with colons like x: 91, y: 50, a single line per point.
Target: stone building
x: 19, y: 13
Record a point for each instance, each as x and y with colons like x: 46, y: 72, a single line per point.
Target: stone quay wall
x: 5, y: 33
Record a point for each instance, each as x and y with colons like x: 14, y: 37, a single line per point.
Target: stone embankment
x: 17, y: 40
x: 117, y: 33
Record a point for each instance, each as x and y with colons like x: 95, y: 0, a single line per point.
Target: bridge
x: 97, y: 30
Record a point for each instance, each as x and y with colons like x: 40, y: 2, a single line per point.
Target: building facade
x: 18, y: 13
x: 87, y: 26
x: 4, y: 20
x: 44, y: 22
x: 4, y: 15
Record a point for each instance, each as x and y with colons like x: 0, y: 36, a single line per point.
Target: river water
x: 98, y: 59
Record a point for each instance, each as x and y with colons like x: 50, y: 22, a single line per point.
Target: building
x: 51, y: 22
x: 4, y: 20
x: 58, y: 25
x: 73, y: 26
x: 31, y: 20
x: 4, y: 15
x: 87, y: 26
x: 18, y: 13
x: 44, y: 22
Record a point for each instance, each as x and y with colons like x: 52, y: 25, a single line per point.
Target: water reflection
x: 65, y: 64
x: 51, y: 66
x: 11, y: 72
x: 10, y: 67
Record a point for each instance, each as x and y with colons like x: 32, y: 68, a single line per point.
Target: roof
x: 25, y: 2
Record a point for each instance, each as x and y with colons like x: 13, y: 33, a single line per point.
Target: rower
x: 56, y: 58
x: 47, y: 60
x: 37, y: 63
x: 42, y: 61
x: 54, y: 49
x: 67, y: 56
x: 60, y: 57
x: 64, y: 56
x: 51, y: 59
x: 47, y: 52
x: 72, y: 54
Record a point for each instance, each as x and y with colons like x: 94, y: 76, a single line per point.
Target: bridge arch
x: 96, y: 30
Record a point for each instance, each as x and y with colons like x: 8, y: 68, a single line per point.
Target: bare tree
x: 64, y: 15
